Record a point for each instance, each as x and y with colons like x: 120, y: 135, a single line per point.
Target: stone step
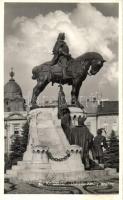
x: 31, y: 167
x: 100, y: 173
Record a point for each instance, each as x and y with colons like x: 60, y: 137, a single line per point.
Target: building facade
x: 15, y: 115
x: 103, y: 114
x: 107, y: 116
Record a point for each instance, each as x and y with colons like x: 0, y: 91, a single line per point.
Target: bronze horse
x: 76, y: 72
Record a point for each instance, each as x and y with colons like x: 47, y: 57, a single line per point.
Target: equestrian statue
x: 63, y: 69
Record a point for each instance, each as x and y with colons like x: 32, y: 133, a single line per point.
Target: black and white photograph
x: 61, y: 98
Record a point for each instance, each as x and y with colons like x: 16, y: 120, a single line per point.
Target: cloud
x: 99, y: 30
x: 111, y: 74
x: 85, y: 27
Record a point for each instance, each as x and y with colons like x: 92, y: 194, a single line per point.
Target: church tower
x: 13, y: 99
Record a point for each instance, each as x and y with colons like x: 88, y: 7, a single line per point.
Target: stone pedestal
x: 49, y: 157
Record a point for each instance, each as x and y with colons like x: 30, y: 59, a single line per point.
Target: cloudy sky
x: 31, y: 30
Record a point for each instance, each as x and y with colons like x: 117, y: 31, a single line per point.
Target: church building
x: 15, y: 114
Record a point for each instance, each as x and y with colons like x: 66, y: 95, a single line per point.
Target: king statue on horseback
x: 63, y: 69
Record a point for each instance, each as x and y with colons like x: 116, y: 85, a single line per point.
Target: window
x: 16, y: 129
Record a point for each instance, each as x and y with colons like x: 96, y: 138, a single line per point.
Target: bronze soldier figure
x: 99, y: 143
x: 62, y: 104
x: 80, y: 135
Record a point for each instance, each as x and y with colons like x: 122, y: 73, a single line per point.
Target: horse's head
x: 96, y: 63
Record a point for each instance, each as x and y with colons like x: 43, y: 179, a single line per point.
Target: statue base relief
x: 49, y: 156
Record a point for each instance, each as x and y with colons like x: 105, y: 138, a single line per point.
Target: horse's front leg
x: 35, y: 94
x: 74, y: 91
x: 41, y: 84
x: 77, y: 83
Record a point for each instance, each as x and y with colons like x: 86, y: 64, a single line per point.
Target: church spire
x: 11, y: 74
